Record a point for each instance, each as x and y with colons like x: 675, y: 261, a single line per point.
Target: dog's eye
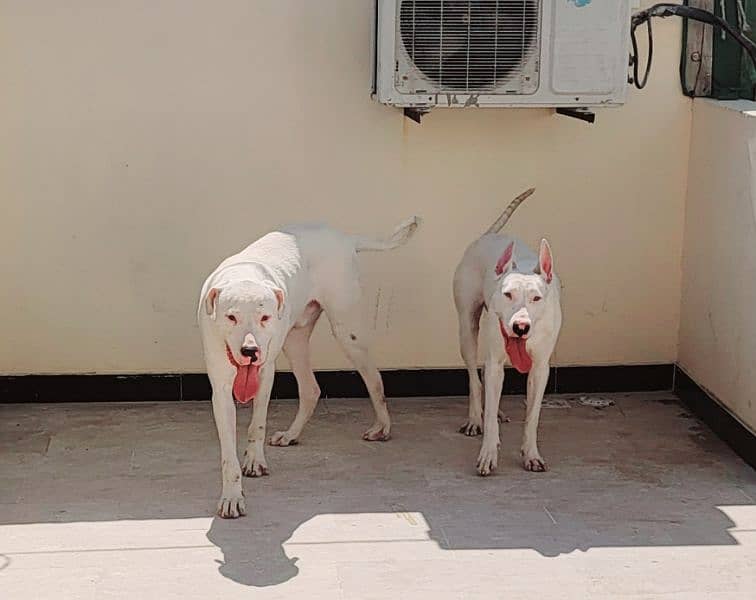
x: 264, y: 318
x: 508, y: 295
x: 231, y: 318
x: 536, y: 298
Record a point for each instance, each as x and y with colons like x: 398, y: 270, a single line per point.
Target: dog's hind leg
x: 469, y: 327
x: 348, y: 329
x: 297, y: 350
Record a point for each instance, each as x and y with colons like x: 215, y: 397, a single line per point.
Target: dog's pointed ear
x: 211, y: 300
x: 545, y: 262
x: 505, y: 260
x: 280, y: 299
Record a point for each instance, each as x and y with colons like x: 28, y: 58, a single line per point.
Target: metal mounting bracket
x: 578, y: 113
x: 416, y: 114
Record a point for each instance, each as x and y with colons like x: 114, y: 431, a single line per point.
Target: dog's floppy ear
x: 280, y: 299
x: 545, y: 266
x: 505, y: 260
x: 210, y: 301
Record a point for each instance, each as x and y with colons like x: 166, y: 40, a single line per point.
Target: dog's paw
x: 232, y: 506
x: 471, y: 429
x: 534, y: 462
x: 502, y: 418
x: 281, y: 438
x: 488, y: 460
x: 251, y: 467
x: 378, y: 433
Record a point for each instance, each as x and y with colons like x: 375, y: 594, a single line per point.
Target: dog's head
x: 248, y: 316
x: 520, y: 297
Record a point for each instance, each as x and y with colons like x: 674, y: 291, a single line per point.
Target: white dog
x: 520, y: 293
x: 266, y: 299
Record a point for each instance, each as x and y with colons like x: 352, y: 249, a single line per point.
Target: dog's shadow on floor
x: 253, y: 555
x: 255, y: 552
x: 580, y: 504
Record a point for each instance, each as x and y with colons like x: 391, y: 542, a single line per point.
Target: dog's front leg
x: 537, y: 379
x: 254, y: 456
x: 231, y: 504
x: 489, y: 451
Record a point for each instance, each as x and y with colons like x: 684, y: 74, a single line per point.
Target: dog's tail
x: 399, y: 237
x: 502, y: 220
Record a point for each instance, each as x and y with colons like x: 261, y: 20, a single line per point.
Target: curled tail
x: 502, y: 220
x: 399, y: 237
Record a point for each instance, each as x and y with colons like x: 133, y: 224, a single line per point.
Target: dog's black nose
x: 521, y: 329
x: 250, y: 352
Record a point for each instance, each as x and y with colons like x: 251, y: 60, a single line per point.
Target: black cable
x: 664, y: 10
x: 638, y: 83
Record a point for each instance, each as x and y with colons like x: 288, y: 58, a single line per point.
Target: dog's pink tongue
x: 246, y: 382
x: 518, y: 354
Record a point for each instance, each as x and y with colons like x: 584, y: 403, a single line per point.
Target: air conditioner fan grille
x: 468, y: 45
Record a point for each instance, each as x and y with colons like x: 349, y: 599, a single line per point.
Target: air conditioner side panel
x: 587, y: 52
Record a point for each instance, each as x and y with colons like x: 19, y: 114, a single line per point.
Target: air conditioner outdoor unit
x: 489, y: 53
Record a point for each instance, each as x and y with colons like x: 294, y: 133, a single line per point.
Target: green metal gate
x: 714, y: 65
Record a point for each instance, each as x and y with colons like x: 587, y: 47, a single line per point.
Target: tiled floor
x: 116, y: 501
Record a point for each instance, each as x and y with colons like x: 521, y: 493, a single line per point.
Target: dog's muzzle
x: 251, y: 352
x: 521, y: 328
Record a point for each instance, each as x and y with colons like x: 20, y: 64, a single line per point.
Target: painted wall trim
x: 334, y: 384
x: 736, y: 434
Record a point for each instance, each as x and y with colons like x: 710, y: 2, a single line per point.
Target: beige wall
x: 718, y: 323
x: 144, y: 141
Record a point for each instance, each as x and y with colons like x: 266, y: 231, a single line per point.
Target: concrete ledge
x: 744, y: 107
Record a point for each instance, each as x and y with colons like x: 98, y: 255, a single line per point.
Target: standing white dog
x: 520, y: 293
x: 266, y: 299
